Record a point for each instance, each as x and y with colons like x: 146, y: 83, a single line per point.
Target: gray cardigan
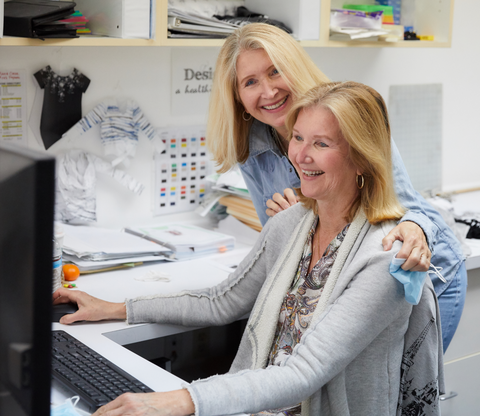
x: 349, y: 362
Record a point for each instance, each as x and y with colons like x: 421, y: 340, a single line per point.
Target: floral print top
x: 300, y: 303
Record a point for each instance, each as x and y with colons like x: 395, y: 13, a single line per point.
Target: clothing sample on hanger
x: 121, y: 121
x: 62, y: 102
x: 75, y: 190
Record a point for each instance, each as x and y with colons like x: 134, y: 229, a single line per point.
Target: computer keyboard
x: 88, y: 374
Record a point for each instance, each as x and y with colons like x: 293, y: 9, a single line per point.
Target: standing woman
x: 260, y: 72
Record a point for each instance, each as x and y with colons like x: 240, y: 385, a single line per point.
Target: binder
x: 30, y: 19
x: 302, y: 16
x: 118, y: 18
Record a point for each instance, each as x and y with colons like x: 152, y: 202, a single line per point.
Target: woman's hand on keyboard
x: 89, y: 307
x: 172, y: 403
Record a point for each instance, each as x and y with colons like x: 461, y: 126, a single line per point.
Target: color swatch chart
x: 181, y: 170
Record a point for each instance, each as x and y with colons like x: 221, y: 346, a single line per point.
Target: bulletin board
x: 181, y: 170
x: 416, y: 123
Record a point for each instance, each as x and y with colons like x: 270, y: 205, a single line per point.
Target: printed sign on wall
x: 192, y: 77
x: 13, y: 126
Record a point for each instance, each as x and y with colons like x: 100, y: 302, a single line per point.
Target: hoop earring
x: 362, y: 181
x: 243, y: 116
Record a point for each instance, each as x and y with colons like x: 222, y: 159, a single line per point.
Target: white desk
x: 108, y: 337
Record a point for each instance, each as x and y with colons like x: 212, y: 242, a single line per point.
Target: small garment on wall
x: 121, y: 120
x: 75, y: 190
x: 62, y: 102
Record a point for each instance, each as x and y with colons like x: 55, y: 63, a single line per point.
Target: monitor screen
x: 26, y: 233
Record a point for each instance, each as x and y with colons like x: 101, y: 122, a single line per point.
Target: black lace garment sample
x: 62, y: 102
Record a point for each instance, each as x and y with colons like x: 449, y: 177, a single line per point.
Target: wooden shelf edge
x: 383, y: 44
x: 193, y: 42
x: 82, y: 41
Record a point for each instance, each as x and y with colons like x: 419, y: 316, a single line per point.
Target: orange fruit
x: 70, y: 272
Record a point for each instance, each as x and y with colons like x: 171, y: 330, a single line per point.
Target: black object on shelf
x: 410, y: 36
x: 244, y: 16
x: 34, y: 19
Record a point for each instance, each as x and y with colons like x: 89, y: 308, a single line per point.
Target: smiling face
x: 262, y: 90
x: 320, y: 154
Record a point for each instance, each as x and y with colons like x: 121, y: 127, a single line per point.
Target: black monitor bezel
x: 36, y: 174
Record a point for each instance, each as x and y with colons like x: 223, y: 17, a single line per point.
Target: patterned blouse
x: 299, y: 305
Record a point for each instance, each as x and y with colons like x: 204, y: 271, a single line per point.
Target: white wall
x: 457, y: 68
x: 143, y: 74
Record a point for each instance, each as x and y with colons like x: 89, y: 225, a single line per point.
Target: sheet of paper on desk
x: 94, y: 243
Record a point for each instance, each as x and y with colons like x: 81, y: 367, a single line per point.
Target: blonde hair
x: 363, y: 120
x: 227, y: 131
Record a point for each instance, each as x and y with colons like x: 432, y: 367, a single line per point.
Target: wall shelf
x: 434, y: 17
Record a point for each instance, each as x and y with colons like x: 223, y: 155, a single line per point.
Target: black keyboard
x: 88, y: 374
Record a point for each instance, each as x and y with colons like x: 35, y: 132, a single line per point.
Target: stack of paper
x: 187, y: 241
x: 94, y: 248
x: 346, y: 25
x: 230, y: 182
x: 190, y: 25
x: 243, y: 210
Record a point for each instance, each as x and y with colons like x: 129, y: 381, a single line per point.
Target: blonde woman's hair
x: 363, y: 120
x: 227, y: 131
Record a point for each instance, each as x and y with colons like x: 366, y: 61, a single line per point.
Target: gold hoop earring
x: 360, y: 186
x: 243, y: 116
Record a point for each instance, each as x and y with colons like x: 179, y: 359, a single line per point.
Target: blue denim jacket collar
x: 260, y: 139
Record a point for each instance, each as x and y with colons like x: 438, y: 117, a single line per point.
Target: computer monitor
x: 26, y: 234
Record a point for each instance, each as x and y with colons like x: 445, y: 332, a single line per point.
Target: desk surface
x: 108, y: 337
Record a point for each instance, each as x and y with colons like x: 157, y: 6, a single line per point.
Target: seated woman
x: 330, y: 331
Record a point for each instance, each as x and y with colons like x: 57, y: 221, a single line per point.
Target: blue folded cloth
x: 412, y: 281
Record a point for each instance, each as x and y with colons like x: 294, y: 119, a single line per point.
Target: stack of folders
x: 78, y: 21
x: 95, y: 249
x: 190, y: 25
x: 242, y: 209
x: 185, y: 240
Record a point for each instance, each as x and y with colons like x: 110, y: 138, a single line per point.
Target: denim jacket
x: 267, y: 171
